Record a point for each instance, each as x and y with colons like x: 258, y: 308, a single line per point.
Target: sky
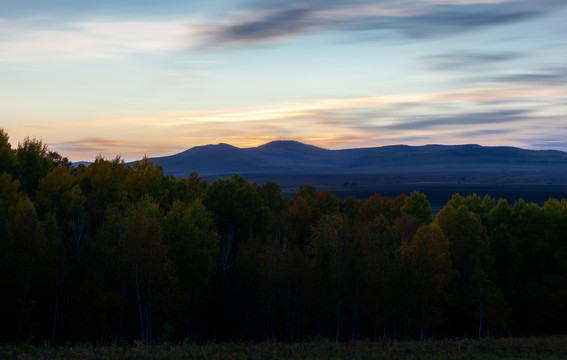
x: 134, y: 78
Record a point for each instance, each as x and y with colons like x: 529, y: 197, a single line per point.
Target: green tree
x: 324, y: 203
x: 416, y: 205
x: 59, y: 192
x: 274, y: 251
x: 27, y: 249
x: 9, y: 195
x: 295, y: 288
x: 504, y: 247
x: 192, y: 247
x: 555, y: 212
x: 7, y: 155
x: 33, y: 163
x: 471, y: 257
x: 533, y: 233
x: 329, y: 253
x: 108, y: 259
x: 183, y: 189
x: 376, y: 230
x: 144, y: 178
x: 102, y: 183
x: 300, y: 214
x: 60, y: 203
x: 238, y: 214
x: 270, y: 193
x: 146, y: 255
x: 428, y: 266
x: 59, y: 160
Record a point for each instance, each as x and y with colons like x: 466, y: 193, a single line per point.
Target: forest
x: 112, y: 253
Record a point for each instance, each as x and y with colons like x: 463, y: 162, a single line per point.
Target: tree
x: 9, y: 194
x: 357, y: 270
x: 503, y: 246
x: 350, y: 207
x: 238, y: 214
x: 376, y: 229
x: 555, y: 212
x: 7, y: 156
x: 378, y: 205
x: 329, y: 252
x: 300, y: 223
x: 61, y: 203
x: 325, y: 203
x: 193, y: 250
x: 33, y: 164
x: 270, y: 193
x: 103, y: 183
x: 532, y: 232
x: 238, y: 217
x: 183, y: 189
x: 471, y: 257
x: 145, y: 178
x: 274, y: 251
x: 295, y: 286
x: 107, y: 256
x: 59, y: 160
x: 428, y: 266
x: 59, y: 192
x: 27, y: 249
x: 416, y: 205
x: 146, y: 256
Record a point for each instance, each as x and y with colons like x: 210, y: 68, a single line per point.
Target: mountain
x: 429, y: 161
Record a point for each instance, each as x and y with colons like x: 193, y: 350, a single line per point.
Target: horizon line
x: 315, y: 146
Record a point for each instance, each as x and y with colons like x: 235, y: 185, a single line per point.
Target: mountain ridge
x: 293, y: 157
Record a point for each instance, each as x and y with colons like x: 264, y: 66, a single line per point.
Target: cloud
x: 465, y: 60
x: 89, y: 144
x: 128, y: 149
x: 49, y: 39
x: 273, y: 25
x: 516, y: 116
x: 465, y: 120
x: 99, y: 37
x: 87, y: 149
x: 557, y: 144
x: 482, y: 133
x: 276, y: 21
x: 448, y: 20
x: 543, y: 77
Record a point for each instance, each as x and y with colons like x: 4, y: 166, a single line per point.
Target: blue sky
x: 143, y: 77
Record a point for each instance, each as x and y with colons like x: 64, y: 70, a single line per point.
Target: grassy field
x: 552, y: 348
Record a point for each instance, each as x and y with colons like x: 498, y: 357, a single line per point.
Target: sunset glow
x: 133, y: 78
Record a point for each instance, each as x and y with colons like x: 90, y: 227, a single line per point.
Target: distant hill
x: 86, y: 163
x: 428, y: 163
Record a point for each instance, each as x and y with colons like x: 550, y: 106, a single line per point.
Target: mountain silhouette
x: 292, y: 157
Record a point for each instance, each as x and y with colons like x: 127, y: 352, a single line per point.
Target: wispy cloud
x: 466, y: 60
x: 464, y: 120
x: 129, y: 149
x: 49, y: 38
x: 555, y: 76
x: 53, y: 39
x: 91, y: 144
x: 275, y: 21
x: 489, y: 116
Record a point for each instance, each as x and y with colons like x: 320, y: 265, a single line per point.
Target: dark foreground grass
x: 552, y: 348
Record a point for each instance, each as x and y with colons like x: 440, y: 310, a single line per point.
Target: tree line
x: 117, y: 253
